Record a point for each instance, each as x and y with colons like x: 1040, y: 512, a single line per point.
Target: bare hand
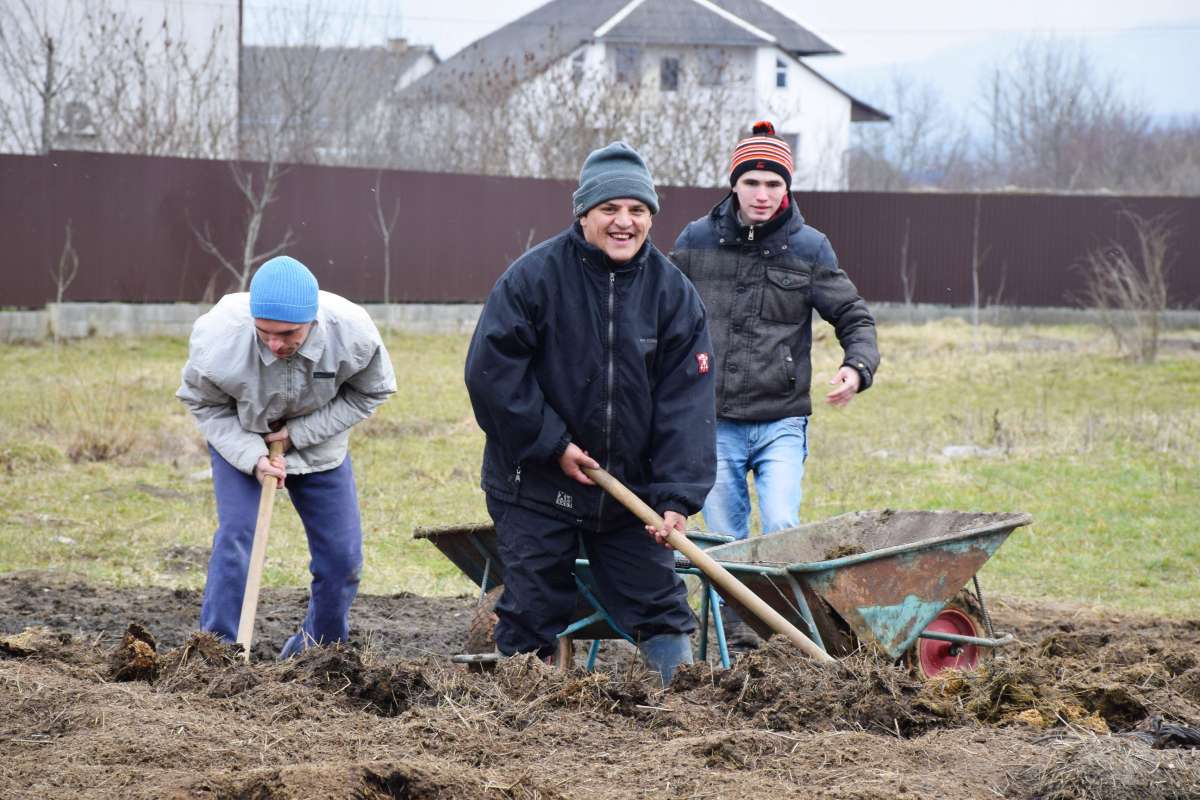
x: 847, y: 380
x: 276, y: 467
x: 280, y: 435
x: 674, y: 522
x: 571, y: 461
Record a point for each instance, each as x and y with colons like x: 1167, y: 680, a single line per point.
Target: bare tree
x: 1058, y: 123
x: 37, y: 70
x: 149, y: 92
x: 923, y: 145
x: 259, y: 186
x: 64, y: 271
x: 976, y: 263
x: 384, y: 225
x: 79, y: 77
x: 1131, y: 290
x: 281, y: 127
x: 908, y: 272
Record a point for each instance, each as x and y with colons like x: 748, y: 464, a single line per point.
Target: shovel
x: 258, y: 557
x: 716, y: 573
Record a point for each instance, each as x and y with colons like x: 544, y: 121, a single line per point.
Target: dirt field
x: 96, y: 708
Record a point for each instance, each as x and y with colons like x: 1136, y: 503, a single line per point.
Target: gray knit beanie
x: 284, y: 290
x: 611, y: 172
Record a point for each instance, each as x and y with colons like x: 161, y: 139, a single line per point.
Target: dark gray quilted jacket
x: 760, y: 293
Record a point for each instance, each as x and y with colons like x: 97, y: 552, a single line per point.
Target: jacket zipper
x: 608, y: 400
x: 750, y: 236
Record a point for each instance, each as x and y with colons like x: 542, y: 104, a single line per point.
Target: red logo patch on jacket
x: 702, y: 363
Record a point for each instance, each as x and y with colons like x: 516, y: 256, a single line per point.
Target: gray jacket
x: 236, y: 388
x: 760, y: 287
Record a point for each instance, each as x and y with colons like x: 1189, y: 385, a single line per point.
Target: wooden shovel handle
x: 716, y: 573
x: 258, y: 556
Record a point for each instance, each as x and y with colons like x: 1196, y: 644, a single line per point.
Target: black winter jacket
x: 760, y: 294
x: 615, y: 358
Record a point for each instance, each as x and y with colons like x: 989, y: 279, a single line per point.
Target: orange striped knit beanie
x: 761, y: 150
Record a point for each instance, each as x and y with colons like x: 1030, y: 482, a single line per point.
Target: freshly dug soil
x: 112, y: 694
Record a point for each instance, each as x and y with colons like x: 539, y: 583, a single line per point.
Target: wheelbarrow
x: 475, y: 551
x: 892, y: 579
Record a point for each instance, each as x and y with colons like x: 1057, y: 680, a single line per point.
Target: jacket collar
x: 313, y: 347
x: 733, y: 232
x: 595, y: 257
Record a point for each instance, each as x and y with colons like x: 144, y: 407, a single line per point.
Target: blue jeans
x: 327, y: 503
x: 775, y: 452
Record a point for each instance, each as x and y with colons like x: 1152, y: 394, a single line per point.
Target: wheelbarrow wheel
x: 481, y: 632
x: 962, y: 616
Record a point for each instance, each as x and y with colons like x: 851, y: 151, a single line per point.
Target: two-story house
x: 680, y: 79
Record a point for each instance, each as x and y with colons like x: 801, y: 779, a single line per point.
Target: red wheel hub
x: 934, y: 656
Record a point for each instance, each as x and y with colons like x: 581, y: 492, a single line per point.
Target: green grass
x: 96, y: 454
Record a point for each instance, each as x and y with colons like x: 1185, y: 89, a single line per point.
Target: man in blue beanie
x: 592, y: 349
x: 285, y: 362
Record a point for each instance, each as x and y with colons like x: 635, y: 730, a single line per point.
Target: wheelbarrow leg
x: 714, y: 602
x: 704, y: 617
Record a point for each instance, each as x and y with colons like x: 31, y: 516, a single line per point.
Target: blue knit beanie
x: 611, y: 172
x: 284, y: 290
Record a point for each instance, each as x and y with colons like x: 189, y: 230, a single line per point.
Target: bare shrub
x: 1130, y: 290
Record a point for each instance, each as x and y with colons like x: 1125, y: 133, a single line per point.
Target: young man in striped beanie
x: 761, y: 272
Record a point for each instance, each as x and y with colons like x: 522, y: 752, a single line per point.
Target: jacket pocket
x: 786, y: 369
x: 785, y: 296
x: 649, y: 349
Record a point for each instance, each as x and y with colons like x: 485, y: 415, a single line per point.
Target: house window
x: 668, y: 75
x: 793, y: 141
x: 577, y: 68
x: 714, y: 66
x: 780, y: 73
x: 627, y: 62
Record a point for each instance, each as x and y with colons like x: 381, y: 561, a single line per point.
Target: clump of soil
x: 208, y: 664
x: 37, y: 641
x: 136, y: 657
x: 1006, y: 691
x: 385, y: 689
x: 777, y: 688
x: 844, y: 550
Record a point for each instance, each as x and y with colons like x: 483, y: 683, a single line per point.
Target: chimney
x: 397, y: 44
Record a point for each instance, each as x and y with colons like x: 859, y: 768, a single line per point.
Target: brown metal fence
x: 133, y: 221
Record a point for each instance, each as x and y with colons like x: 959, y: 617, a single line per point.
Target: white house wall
x: 192, y: 25
x: 810, y: 108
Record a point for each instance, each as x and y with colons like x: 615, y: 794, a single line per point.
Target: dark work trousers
x: 327, y: 503
x: 634, y: 574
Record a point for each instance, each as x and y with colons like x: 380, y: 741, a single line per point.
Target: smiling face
x: 618, y: 227
x: 283, y: 338
x: 759, y: 193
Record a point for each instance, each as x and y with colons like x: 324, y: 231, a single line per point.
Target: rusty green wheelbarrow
x: 893, y: 579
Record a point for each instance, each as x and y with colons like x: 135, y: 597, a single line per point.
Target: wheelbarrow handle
x: 718, y: 574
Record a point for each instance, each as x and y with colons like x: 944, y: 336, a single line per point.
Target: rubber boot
x: 665, y: 652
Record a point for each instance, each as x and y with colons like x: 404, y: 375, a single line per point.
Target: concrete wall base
x: 82, y: 320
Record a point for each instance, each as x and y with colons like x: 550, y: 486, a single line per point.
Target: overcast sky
x: 1152, y: 46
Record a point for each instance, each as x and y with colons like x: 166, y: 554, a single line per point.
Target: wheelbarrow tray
x: 884, y: 575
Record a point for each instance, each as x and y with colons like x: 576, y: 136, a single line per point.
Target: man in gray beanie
x: 592, y: 350
x: 289, y: 363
